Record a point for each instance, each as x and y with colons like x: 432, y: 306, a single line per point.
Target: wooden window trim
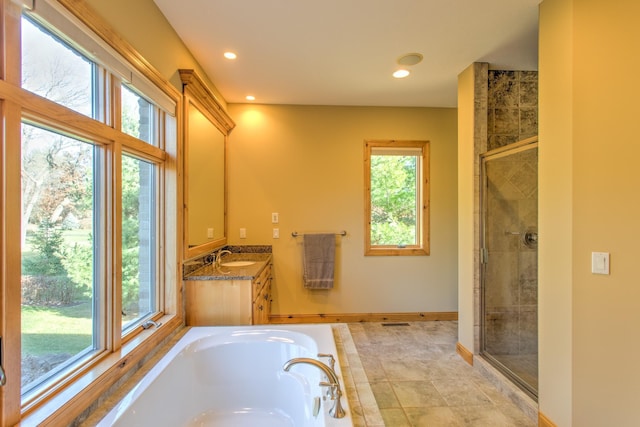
x: 410, y: 250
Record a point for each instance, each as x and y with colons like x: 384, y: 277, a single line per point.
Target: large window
x: 97, y: 202
x: 59, y: 207
x: 59, y: 241
x: 397, y: 197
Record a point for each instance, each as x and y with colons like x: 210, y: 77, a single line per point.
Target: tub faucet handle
x: 332, y: 360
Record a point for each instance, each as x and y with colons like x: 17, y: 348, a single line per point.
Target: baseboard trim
x: 466, y: 355
x: 543, y: 421
x: 361, y: 317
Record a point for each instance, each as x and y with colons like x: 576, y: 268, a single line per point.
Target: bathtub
x: 234, y: 376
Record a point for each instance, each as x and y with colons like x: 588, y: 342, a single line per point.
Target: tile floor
x: 417, y: 379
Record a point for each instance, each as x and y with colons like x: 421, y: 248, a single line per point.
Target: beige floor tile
x: 433, y: 417
x: 461, y: 392
x: 365, y: 394
x: 395, y: 417
x: 484, y: 416
x: 406, y: 370
x: 417, y: 394
x: 385, y: 397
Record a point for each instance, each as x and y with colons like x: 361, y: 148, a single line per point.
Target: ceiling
x: 343, y: 52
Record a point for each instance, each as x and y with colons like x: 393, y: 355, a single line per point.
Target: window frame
x: 129, y: 330
x: 410, y: 147
x: 61, y: 402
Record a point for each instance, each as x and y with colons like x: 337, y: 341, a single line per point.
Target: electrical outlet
x: 209, y: 233
x: 243, y: 233
x: 276, y: 233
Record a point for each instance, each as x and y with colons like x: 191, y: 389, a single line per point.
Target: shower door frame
x: 514, y: 148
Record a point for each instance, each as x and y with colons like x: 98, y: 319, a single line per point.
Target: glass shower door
x: 509, y: 318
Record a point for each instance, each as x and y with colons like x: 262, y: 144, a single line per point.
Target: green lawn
x: 61, y: 329
x: 52, y: 330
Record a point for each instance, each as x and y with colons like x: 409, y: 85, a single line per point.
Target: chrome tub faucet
x: 334, y: 385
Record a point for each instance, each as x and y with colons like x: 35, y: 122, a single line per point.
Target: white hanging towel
x: 319, y: 260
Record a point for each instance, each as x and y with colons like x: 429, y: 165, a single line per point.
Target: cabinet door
x: 258, y: 308
x: 218, y: 302
x: 262, y: 305
x: 266, y: 300
x: 260, y: 281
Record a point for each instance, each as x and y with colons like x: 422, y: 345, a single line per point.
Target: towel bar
x: 296, y: 234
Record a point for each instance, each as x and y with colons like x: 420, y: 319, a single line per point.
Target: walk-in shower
x: 509, y: 241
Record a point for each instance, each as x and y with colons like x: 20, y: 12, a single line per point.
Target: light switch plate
x: 275, y: 218
x: 600, y: 262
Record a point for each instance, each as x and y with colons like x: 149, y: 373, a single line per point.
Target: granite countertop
x: 249, y: 272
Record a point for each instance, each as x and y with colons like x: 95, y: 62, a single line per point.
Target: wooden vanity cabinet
x: 229, y: 302
x: 262, y: 297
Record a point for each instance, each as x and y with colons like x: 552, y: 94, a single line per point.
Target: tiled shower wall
x: 512, y: 113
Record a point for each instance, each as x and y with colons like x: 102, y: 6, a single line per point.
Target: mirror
x: 206, y: 129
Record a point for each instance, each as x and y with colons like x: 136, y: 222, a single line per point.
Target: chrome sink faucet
x: 219, y: 256
x: 334, y: 385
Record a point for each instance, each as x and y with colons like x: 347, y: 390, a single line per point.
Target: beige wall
x: 306, y: 163
x: 555, y: 211
x: 466, y: 141
x: 589, y: 372
x: 606, y: 210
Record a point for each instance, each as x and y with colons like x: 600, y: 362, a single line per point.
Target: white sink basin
x: 237, y: 263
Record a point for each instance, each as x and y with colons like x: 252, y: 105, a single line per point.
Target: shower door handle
x: 484, y: 256
x: 3, y: 377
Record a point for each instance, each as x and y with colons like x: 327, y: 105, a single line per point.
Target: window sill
x: 63, y: 406
x: 395, y: 251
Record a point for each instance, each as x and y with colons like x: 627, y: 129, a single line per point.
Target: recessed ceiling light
x: 230, y: 55
x: 250, y: 98
x: 410, y: 59
x: 401, y: 73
